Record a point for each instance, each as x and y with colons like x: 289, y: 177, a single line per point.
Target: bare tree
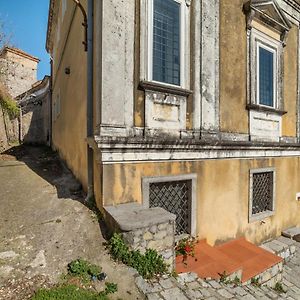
x: 5, y: 35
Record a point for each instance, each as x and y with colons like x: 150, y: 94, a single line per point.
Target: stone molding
x: 113, y: 150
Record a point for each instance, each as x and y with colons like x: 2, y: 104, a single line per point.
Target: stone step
x: 255, y: 261
x: 292, y: 233
x: 234, y: 260
x: 281, y: 246
x: 209, y: 263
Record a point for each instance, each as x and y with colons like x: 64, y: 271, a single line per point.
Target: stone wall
x: 36, y: 121
x: 159, y: 237
x: 3, y: 135
x: 145, y: 228
x: 18, y: 71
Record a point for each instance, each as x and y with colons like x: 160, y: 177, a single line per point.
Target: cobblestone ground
x: 189, y: 287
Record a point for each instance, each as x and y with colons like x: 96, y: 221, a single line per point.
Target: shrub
x: 68, y: 292
x: 83, y: 269
x: 8, y: 104
x: 148, y: 265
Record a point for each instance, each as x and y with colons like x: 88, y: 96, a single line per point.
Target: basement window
x: 175, y: 194
x: 262, y: 194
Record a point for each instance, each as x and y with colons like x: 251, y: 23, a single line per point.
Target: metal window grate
x: 175, y: 197
x: 262, y: 199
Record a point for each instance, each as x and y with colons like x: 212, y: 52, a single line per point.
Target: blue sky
x: 27, y: 20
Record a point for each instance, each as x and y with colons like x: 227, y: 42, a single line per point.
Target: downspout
x: 90, y: 96
x: 50, y: 101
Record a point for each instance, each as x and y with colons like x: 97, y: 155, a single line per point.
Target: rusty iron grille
x: 175, y: 197
x: 262, y: 192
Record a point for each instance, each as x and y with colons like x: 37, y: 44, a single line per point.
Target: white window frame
x: 260, y: 39
x: 259, y: 45
x: 268, y: 213
x: 146, y: 43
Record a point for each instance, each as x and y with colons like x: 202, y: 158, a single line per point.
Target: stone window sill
x: 164, y: 88
x: 266, y: 109
x: 261, y: 216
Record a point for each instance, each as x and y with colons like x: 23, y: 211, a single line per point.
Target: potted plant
x: 185, y: 248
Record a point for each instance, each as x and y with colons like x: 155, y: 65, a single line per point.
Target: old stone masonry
x: 188, y: 286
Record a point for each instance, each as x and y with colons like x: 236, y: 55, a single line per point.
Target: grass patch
x: 77, y: 284
x: 148, y: 265
x: 279, y: 288
x: 69, y: 292
x: 83, y: 269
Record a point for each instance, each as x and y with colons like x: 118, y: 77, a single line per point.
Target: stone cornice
x: 293, y: 3
x: 49, y: 26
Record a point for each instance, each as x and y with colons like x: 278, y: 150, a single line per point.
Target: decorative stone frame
x: 191, y: 177
x: 257, y: 40
x: 263, y: 215
x: 146, y: 43
x: 265, y: 122
x: 165, y: 104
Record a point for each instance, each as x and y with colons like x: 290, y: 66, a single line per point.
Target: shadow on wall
x: 34, y: 125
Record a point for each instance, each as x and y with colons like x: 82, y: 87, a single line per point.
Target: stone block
x: 166, y: 283
x: 266, y: 276
x: 225, y: 294
x: 160, y: 235
x: 147, y: 236
x: 187, y: 277
x: 173, y: 294
x: 153, y: 296
x: 162, y: 226
x: 291, y: 232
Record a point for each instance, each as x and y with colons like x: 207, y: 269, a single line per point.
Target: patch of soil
x: 6, y: 157
x: 23, y: 289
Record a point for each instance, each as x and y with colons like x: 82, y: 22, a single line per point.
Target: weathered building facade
x: 18, y: 70
x: 195, y: 109
x: 35, y: 106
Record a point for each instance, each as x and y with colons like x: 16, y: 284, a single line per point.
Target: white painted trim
x: 265, y: 214
x: 260, y: 39
x: 135, y: 156
x: 146, y: 42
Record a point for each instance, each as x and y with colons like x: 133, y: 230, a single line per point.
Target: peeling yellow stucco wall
x: 233, y: 67
x: 289, y: 121
x: 222, y: 194
x: 69, y: 128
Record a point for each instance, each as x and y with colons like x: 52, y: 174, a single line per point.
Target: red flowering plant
x: 186, y: 247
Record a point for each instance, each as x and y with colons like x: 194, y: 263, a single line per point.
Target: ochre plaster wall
x: 289, y: 120
x: 222, y: 194
x: 233, y: 66
x: 69, y: 129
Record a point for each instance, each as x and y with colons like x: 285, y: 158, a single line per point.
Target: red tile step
x: 230, y: 258
x: 208, y: 262
x: 253, y: 259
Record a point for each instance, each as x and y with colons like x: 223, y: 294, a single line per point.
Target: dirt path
x: 44, y: 225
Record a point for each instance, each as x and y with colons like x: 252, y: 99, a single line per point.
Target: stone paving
x: 188, y: 287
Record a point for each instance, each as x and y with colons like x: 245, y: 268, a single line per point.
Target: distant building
x: 35, y: 105
x: 18, y: 70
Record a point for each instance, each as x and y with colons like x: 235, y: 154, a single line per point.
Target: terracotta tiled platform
x: 235, y: 257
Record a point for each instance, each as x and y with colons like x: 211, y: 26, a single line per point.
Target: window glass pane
x: 266, y: 77
x: 166, y: 41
